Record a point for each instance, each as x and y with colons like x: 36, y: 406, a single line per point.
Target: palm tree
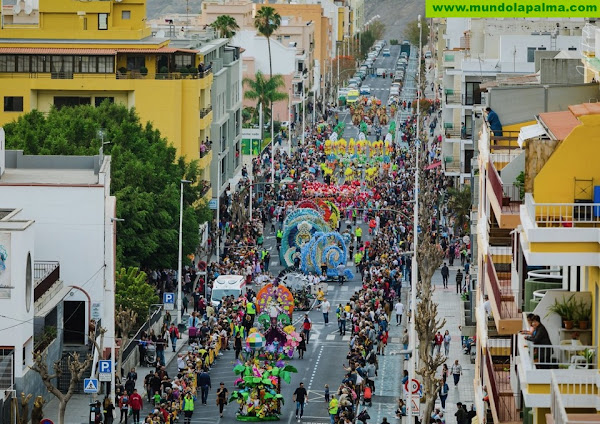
x: 265, y: 91
x: 266, y: 22
x: 226, y: 25
x: 460, y: 205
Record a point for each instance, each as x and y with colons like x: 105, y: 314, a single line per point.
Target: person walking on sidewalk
x: 136, y: 403
x: 447, y: 340
x: 399, y: 309
x: 301, y: 398
x: 173, y: 335
x: 445, y: 275
x: 459, y: 278
x: 222, y: 393
x: 405, y: 343
x: 444, y: 393
x: 325, y: 308
x: 456, y: 372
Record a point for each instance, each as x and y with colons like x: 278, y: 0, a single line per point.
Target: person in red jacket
x: 135, y: 403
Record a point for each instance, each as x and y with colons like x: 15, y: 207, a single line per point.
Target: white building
x: 481, y: 50
x: 58, y: 210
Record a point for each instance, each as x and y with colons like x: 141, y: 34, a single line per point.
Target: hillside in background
x: 395, y: 14
x: 157, y: 8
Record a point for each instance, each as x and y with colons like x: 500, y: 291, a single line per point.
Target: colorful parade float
x: 264, y: 366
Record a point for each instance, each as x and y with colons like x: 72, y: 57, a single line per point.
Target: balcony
x: 505, y: 199
x: 505, y: 311
x: 500, y: 160
x: 449, y: 60
x: 535, y: 361
x: 453, y: 97
x: 575, y: 398
x: 502, y: 398
x: 560, y: 233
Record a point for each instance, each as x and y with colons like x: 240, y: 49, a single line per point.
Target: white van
x: 227, y: 285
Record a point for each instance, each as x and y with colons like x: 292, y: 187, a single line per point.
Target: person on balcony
x: 494, y: 121
x: 541, y: 338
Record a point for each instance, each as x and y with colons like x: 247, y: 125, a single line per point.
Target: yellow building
x: 538, y: 249
x: 71, y: 53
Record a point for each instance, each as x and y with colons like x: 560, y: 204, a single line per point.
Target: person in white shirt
x: 399, y: 308
x: 325, y: 308
x: 487, y: 307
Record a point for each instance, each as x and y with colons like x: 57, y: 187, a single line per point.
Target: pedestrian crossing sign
x: 90, y: 385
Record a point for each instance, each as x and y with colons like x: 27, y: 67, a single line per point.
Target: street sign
x: 90, y: 385
x: 415, y: 402
x: 104, y: 377
x: 96, y: 311
x: 169, y: 301
x: 414, y: 387
x: 212, y: 204
x: 105, y: 367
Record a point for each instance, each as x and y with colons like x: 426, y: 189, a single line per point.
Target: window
x: 7, y: 369
x: 23, y: 63
x: 68, y: 101
x: 530, y: 54
x: 38, y: 63
x: 106, y: 64
x: 102, y: 21
x: 13, y: 104
x: 85, y: 24
x: 98, y: 100
x: 541, y: 48
x: 135, y: 63
x: 125, y: 15
x: 183, y: 60
x: 572, y: 49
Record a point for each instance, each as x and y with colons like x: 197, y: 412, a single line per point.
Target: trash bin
x: 181, y: 327
x: 95, y: 408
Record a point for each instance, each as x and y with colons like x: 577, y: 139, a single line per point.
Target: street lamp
x: 415, y: 278
x: 304, y: 79
x: 179, y: 300
x: 111, y: 307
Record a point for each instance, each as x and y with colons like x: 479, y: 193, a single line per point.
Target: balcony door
x: 472, y: 93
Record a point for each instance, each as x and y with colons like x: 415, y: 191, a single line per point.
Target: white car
x: 395, y: 91
x: 365, y: 90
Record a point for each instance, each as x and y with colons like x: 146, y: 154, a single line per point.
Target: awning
x: 433, y: 165
x: 530, y: 131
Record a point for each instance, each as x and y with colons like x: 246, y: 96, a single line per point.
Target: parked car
x: 427, y: 54
x: 395, y: 91
x: 358, y: 81
x: 404, y: 55
x: 386, y: 53
x: 365, y: 90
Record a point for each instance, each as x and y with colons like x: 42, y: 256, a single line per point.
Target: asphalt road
x: 327, y: 349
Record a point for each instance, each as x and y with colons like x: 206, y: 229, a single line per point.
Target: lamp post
x: 179, y: 299
x: 304, y: 79
x: 289, y: 123
x: 415, y: 278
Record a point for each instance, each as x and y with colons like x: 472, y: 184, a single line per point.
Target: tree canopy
x: 145, y: 176
x: 411, y: 32
x: 226, y: 25
x: 134, y: 293
x: 264, y: 90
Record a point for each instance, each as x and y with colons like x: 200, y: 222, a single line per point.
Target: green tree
x: 459, y: 203
x: 226, y: 25
x: 265, y: 91
x: 411, y: 32
x: 133, y: 293
x: 145, y: 176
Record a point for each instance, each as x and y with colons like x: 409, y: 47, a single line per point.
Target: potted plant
x: 144, y: 71
x: 589, y: 354
x: 163, y: 73
x: 184, y: 72
x: 565, y: 308
x: 583, y: 312
x: 122, y: 72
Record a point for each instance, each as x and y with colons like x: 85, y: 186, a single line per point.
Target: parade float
x: 258, y: 386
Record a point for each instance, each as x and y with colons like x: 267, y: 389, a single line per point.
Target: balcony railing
x: 205, y: 111
x: 452, y: 164
x: 504, y: 158
x: 117, y: 75
x: 508, y: 308
x: 45, y: 274
x: 502, y: 395
x: 577, y: 389
x: 569, y: 355
x: 453, y: 98
x: 205, y: 149
x: 562, y: 214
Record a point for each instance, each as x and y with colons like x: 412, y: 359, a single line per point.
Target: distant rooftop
x: 53, y: 170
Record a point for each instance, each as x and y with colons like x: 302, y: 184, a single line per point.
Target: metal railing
x: 570, y: 355
x: 577, y: 389
x: 505, y: 158
x: 193, y: 74
x: 7, y: 377
x: 507, y: 309
x: 453, y: 98
x: 205, y: 111
x: 470, y: 99
x: 134, y: 341
x: 562, y: 214
x: 505, y: 402
x: 495, y: 182
x: 41, y: 269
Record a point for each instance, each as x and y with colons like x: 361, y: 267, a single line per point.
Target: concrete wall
x: 533, y: 100
x: 560, y: 71
x: 283, y: 57
x: 511, y: 171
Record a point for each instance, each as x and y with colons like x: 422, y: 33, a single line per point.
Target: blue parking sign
x: 169, y: 298
x: 105, y: 367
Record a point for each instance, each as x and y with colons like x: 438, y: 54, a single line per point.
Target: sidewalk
x: 78, y: 406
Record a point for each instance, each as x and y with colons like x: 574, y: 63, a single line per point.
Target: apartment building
x: 71, y: 53
x: 537, y: 223
x: 476, y: 51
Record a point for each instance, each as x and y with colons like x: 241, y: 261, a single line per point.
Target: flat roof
x: 17, y: 176
x: 560, y: 124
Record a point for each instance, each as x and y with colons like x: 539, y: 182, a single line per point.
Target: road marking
x: 331, y: 337
x: 312, y: 377
x: 344, y: 288
x: 274, y: 262
x: 346, y: 338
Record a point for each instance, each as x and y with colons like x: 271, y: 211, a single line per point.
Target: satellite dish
x: 28, y: 7
x: 17, y: 8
